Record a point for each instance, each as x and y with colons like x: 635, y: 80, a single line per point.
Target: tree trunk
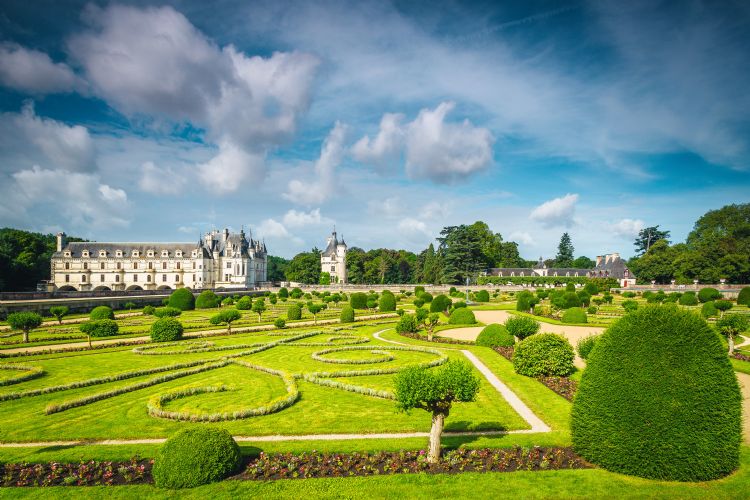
x: 89, y: 340
x: 438, y: 419
x: 229, y: 328
x: 25, y: 336
x: 730, y: 341
x: 429, y: 334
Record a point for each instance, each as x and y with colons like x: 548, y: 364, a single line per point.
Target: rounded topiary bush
x: 482, y: 296
x: 440, y: 303
x: 347, y: 314
x: 407, y: 324
x: 182, y: 299
x: 462, y: 316
x: 279, y: 323
x: 101, y: 312
x: 207, y: 300
x: 100, y: 328
x: 522, y: 326
x: 387, y: 302
x: 574, y: 315
x: 244, y: 304
x: 426, y: 297
x: 544, y: 354
x: 708, y: 294
x: 708, y: 309
x: 659, y: 399
x: 688, y: 299
x: 358, y: 300
x: 495, y: 336
x: 166, y: 330
x: 294, y: 312
x: 149, y: 310
x: 196, y: 456
x: 744, y: 296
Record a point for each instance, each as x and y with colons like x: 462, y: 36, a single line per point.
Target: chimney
x: 60, y: 241
x: 225, y: 234
x: 608, y: 258
x: 615, y: 256
x: 599, y: 260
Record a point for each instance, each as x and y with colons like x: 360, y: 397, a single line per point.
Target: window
x: 164, y: 277
x: 67, y: 278
x: 117, y: 278
x: 119, y: 265
x: 67, y: 254
x: 178, y: 265
x: 83, y: 278
x: 67, y: 265
x: 333, y: 268
x: 148, y: 278
x: 118, y: 253
x: 226, y: 277
x: 177, y: 277
x: 101, y: 278
x: 193, y: 265
x: 163, y: 265
x: 135, y: 265
x: 150, y: 253
x: 102, y: 253
x: 85, y: 266
x: 135, y: 277
x: 85, y: 253
x: 178, y: 253
x: 165, y: 253
x: 101, y: 265
x: 229, y: 265
x: 135, y: 253
x: 150, y: 265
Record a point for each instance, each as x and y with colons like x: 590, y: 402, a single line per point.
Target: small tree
x: 259, y: 306
x: 732, y: 325
x: 314, y: 310
x: 435, y: 392
x: 226, y: 316
x: 25, y: 321
x: 723, y: 306
x: 429, y: 323
x: 129, y: 306
x: 99, y: 328
x: 59, y: 312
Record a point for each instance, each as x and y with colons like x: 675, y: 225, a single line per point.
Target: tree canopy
x: 647, y: 237
x: 564, y: 257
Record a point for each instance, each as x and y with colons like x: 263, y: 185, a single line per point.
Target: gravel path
x: 744, y: 380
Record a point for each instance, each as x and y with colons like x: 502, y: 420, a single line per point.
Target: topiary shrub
x: 101, y: 312
x: 207, y: 300
x: 708, y: 309
x: 244, y: 304
x: 522, y: 326
x: 628, y: 295
x: 591, y: 288
x: 166, y: 330
x: 495, y: 336
x: 584, y: 297
x: 283, y: 293
x: 425, y: 297
x: 659, y: 399
x: 387, y: 302
x: 418, y: 290
x: 347, y: 314
x: 294, y: 312
x: 688, y: 299
x: 100, y: 328
x: 591, y: 310
x: 407, y: 324
x: 440, y: 303
x: 744, y: 296
x: 570, y: 287
x: 228, y: 301
x: 629, y: 305
x: 279, y: 323
x: 708, y: 294
x: 525, y: 301
x: 462, y: 316
x: 148, y: 310
x: 196, y: 456
x: 585, y: 345
x: 574, y: 315
x: 358, y: 300
x: 182, y: 299
x: 418, y: 302
x: 164, y: 312
x: 544, y: 355
x: 482, y: 296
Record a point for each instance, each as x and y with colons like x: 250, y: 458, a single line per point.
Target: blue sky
x: 156, y: 122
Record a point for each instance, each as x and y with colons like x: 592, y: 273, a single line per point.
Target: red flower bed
x: 741, y: 357
x: 92, y: 473
x: 506, y: 352
x: 313, y: 465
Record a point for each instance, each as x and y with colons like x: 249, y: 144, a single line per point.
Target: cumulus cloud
x: 385, y: 150
x: 27, y: 139
x: 522, y: 237
x: 34, y: 72
x: 556, y: 212
x: 388, y: 207
x: 299, y: 218
x: 231, y: 168
x: 315, y: 192
x: 273, y: 229
x: 161, y: 181
x: 435, y: 210
x: 414, y: 229
x: 64, y: 198
x: 628, y: 228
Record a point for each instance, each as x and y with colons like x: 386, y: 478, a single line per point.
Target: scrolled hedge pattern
x: 28, y: 372
x: 384, y: 356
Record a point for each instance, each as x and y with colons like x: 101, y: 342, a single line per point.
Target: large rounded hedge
x: 100, y: 328
x: 294, y: 312
x: 522, y: 326
x: 544, y: 354
x: 426, y: 297
x: 708, y: 309
x: 358, y: 300
x: 708, y: 294
x: 462, y: 316
x: 182, y: 299
x: 574, y: 315
x: 387, y: 302
x: 207, y: 300
x: 101, y: 312
x: 744, y: 296
x: 166, y: 330
x: 688, y: 299
x: 495, y: 335
x: 196, y: 456
x: 347, y: 314
x: 440, y: 303
x: 659, y: 399
x: 482, y: 296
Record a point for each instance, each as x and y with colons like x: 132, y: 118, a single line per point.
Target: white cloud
x: 273, y: 229
x: 388, y: 207
x: 295, y: 218
x: 231, y: 168
x: 33, y: 71
x: 628, y: 228
x: 188, y: 230
x: 27, y: 139
x: 161, y: 181
x: 522, y: 237
x: 556, y: 212
x: 435, y: 210
x: 385, y: 150
x: 66, y: 199
x: 315, y: 192
x: 414, y: 230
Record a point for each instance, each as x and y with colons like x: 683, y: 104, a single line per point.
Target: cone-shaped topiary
x: 659, y: 399
x: 196, y: 456
x: 462, y: 316
x: 182, y: 299
x: 744, y: 296
x: 495, y: 336
x: 347, y: 314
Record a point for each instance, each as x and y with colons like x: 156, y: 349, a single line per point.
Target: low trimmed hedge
x: 182, y: 299
x: 167, y: 312
x: 544, y: 354
x: 462, y: 316
x: 574, y: 315
x: 101, y: 312
x: 495, y: 335
x: 196, y: 456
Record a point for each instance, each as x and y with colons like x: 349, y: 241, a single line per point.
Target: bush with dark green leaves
x: 358, y: 300
x: 279, y: 323
x: 99, y: 328
x: 688, y: 299
x: 426, y: 297
x: 164, y: 312
x: 525, y: 300
x: 522, y: 326
x: 440, y: 303
x: 659, y: 399
x: 458, y: 305
x: 462, y: 316
x: 723, y: 305
x: 347, y: 314
x: 570, y: 287
x: 165, y: 301
x: 629, y: 305
x: 418, y: 302
x: 129, y: 306
x: 207, y: 300
x: 591, y: 310
x: 196, y: 456
x: 591, y: 288
x: 708, y: 294
x: 148, y: 310
x: 574, y: 315
x: 628, y: 295
x: 183, y: 299
x: 584, y: 297
x: 283, y: 293
x: 59, y: 312
x: 482, y: 296
x: 544, y: 355
x: 228, y: 301
x: 101, y: 312
x: 566, y: 300
x: 166, y: 330
x: 585, y: 345
x: 296, y: 293
x: 407, y: 324
x: 244, y: 304
x: 294, y: 312
x: 744, y: 296
x: 708, y: 309
x: 387, y: 303
x: 418, y: 290
x: 495, y: 335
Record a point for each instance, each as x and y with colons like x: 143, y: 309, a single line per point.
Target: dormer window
x: 102, y: 253
x: 178, y: 253
x: 195, y: 253
x: 85, y: 253
x: 136, y: 253
x: 150, y: 253
x: 67, y: 254
x: 118, y: 253
x: 165, y: 253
